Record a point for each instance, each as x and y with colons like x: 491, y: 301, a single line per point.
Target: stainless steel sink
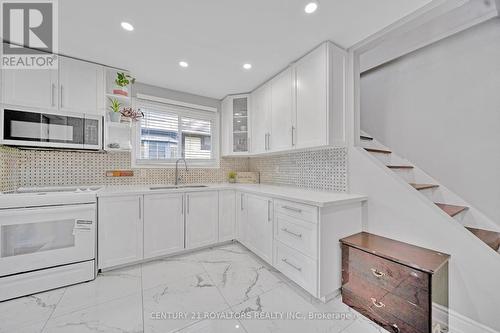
x: 174, y: 187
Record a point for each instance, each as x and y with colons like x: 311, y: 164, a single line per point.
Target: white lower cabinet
x: 259, y: 226
x: 227, y: 215
x: 241, y: 217
x: 202, y: 218
x: 120, y: 233
x: 163, y: 224
x: 298, y: 267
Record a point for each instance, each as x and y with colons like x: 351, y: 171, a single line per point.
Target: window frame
x: 181, y: 111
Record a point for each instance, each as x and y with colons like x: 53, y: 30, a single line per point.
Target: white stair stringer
x: 471, y: 217
x: 395, y: 210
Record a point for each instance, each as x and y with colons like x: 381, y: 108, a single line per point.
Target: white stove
x: 47, y: 239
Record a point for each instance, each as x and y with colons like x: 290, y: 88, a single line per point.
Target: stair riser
x: 406, y: 174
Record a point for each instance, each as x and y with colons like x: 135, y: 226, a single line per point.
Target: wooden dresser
x: 401, y: 287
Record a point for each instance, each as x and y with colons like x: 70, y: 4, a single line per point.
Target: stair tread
x: 419, y: 187
x: 451, y: 210
x: 377, y: 150
x: 365, y: 138
x: 491, y: 238
x: 400, y: 167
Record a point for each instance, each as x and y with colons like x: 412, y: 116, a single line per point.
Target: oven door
x: 52, y: 130
x: 36, y: 238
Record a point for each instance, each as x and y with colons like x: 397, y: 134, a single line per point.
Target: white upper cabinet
x: 80, y: 83
x: 202, y: 219
x: 163, y: 224
x: 260, y: 115
x: 282, y: 92
x: 31, y: 88
x: 320, y: 95
x: 235, y: 125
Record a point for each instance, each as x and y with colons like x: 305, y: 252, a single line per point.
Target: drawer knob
x: 291, y: 233
x: 377, y: 304
x: 377, y: 273
x: 291, y: 265
x: 396, y: 328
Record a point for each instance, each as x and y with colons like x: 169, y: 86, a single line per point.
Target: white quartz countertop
x: 310, y: 197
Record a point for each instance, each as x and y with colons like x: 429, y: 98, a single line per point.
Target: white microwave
x: 50, y: 130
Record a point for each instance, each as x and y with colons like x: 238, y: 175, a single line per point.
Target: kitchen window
x: 168, y: 132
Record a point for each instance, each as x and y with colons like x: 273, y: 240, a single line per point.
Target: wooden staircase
x: 491, y: 238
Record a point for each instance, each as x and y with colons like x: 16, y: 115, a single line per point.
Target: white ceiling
x: 215, y: 36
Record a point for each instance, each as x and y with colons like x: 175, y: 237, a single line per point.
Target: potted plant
x: 231, y: 176
x: 122, y: 81
x: 114, y: 114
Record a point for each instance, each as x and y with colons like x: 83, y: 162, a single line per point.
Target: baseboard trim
x: 459, y: 323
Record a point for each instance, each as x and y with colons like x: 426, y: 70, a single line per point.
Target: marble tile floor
x: 221, y: 289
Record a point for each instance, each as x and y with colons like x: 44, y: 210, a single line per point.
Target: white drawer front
x: 297, y: 234
x: 300, y: 211
x: 296, y: 266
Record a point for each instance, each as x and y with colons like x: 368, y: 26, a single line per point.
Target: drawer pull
x: 396, y: 328
x: 377, y: 273
x: 293, y: 209
x: 291, y: 233
x: 291, y: 265
x: 377, y: 304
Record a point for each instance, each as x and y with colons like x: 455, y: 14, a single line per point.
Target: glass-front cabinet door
x: 235, y: 123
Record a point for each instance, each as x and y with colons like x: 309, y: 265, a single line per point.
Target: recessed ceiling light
x: 311, y: 7
x: 127, y: 26
x: 183, y: 64
x: 247, y: 66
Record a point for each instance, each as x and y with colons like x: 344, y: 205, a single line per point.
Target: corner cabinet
x: 235, y: 125
x: 301, y: 107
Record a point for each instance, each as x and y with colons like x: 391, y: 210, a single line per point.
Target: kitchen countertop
x: 310, y: 197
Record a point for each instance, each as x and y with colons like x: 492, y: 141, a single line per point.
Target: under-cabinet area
x: 297, y: 233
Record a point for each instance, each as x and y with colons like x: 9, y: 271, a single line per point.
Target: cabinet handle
x: 291, y: 265
x: 265, y: 141
x: 187, y: 197
x: 241, y: 201
x: 269, y: 210
x: 52, y: 95
x: 182, y: 205
x: 293, y: 135
x: 396, y: 328
x: 377, y: 273
x: 293, y: 209
x: 377, y: 304
x: 292, y: 233
x: 140, y: 208
x: 61, y: 96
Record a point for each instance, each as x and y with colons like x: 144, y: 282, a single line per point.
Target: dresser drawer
x: 373, y: 309
x: 299, y: 211
x: 296, y: 266
x: 297, y: 234
x: 394, y: 277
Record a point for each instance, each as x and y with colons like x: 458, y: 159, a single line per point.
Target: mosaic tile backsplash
x: 324, y: 169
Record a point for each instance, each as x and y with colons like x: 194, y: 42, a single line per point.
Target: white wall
x: 397, y: 211
x: 439, y: 107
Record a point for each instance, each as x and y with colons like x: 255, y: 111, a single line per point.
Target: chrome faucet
x: 177, y: 178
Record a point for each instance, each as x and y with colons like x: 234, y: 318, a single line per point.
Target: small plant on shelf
x: 122, y: 81
x: 132, y: 114
x: 231, y: 176
x: 115, y: 106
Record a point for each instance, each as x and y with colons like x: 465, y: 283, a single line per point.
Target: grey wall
x: 440, y: 108
x: 175, y: 95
